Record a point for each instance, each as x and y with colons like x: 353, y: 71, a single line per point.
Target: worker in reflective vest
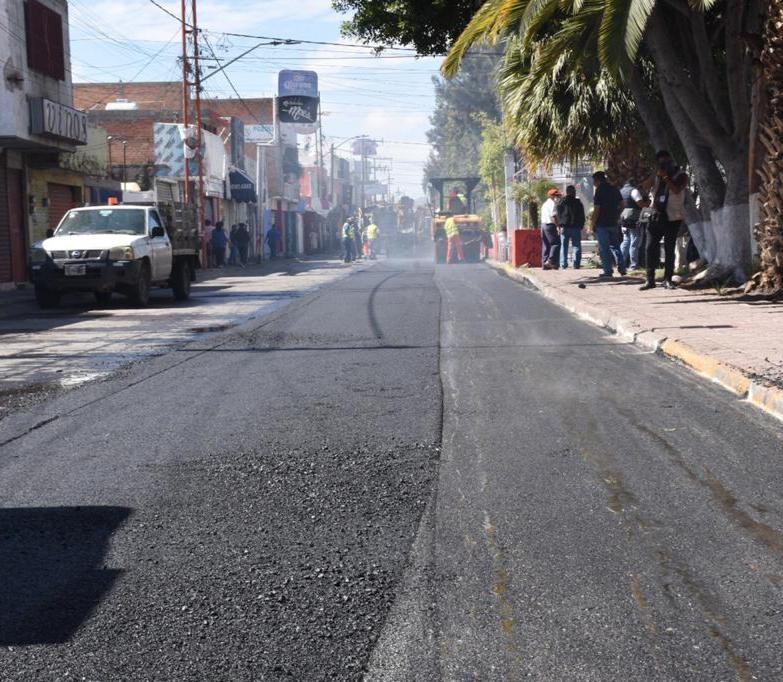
x: 372, y: 235
x: 455, y: 253
x: 349, y: 228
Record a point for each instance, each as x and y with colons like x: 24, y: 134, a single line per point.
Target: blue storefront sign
x: 242, y: 188
x: 297, y: 83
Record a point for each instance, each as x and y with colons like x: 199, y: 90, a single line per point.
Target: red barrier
x: 526, y: 249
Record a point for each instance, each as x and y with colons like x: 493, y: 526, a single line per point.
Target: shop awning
x: 243, y: 188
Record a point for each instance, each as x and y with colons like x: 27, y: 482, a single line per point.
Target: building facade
x: 38, y: 125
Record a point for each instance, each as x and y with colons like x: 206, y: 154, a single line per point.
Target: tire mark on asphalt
x: 374, y: 325
x: 407, y: 644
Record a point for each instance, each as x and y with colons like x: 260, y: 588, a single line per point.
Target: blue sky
x: 388, y: 98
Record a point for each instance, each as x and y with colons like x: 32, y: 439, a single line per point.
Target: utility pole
x: 199, y: 135
x: 320, y: 132
x: 186, y: 94
x: 364, y: 172
x: 331, y: 176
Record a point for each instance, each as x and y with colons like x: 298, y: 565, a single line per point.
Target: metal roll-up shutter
x: 165, y: 192
x: 61, y: 200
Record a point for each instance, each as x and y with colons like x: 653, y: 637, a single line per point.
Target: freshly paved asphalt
x: 430, y: 474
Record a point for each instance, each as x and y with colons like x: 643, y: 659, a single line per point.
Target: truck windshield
x: 103, y: 221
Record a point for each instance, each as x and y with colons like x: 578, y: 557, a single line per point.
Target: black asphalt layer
x: 602, y: 514
x: 269, y: 504
x: 240, y: 509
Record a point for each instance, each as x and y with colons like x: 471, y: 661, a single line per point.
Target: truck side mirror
x: 158, y: 231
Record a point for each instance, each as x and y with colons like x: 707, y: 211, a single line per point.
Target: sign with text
x: 303, y: 83
x: 364, y: 147
x: 297, y: 109
x: 242, y: 187
x: 259, y: 132
x: 57, y: 120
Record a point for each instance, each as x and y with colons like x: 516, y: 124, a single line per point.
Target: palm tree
x: 686, y: 63
x: 769, y: 230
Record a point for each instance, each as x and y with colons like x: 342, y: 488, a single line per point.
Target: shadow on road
x: 51, y: 570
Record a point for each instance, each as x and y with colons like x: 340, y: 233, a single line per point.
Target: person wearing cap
x: 550, y: 236
x: 608, y: 204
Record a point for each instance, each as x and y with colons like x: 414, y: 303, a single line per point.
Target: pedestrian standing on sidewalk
x: 606, y: 224
x: 273, y: 240
x: 633, y: 203
x: 550, y: 235
x: 373, y: 232
x: 219, y: 243
x: 208, y: 227
x: 233, y: 251
x: 242, y: 239
x: 571, y: 217
x: 667, y: 219
x: 455, y: 253
x: 349, y: 242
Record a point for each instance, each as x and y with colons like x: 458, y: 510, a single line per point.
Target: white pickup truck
x: 123, y: 248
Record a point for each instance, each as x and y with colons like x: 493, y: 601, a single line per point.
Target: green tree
x: 494, y: 143
x: 430, y: 27
x: 688, y: 68
x: 456, y: 132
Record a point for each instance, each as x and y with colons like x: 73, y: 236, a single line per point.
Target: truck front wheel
x: 141, y: 291
x: 180, y: 280
x: 46, y: 298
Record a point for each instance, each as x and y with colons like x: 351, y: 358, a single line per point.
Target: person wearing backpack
x: 667, y: 219
x: 571, y: 216
x: 633, y: 203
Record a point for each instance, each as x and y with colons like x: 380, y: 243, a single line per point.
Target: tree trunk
x: 769, y: 230
x: 710, y: 147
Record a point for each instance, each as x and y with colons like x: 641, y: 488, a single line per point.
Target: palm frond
x: 477, y: 31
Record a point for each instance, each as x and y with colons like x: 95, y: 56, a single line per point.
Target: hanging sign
x: 297, y: 109
x: 57, y: 120
x: 304, y: 83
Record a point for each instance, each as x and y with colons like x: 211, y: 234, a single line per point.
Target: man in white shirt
x: 550, y: 234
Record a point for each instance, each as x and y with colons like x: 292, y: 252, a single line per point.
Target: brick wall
x: 162, y: 95
x: 249, y: 111
x: 137, y: 128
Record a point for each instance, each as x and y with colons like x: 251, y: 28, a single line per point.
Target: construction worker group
x: 358, y: 241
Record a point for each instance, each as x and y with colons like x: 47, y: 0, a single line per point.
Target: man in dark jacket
x: 242, y: 240
x: 571, y: 214
x: 607, y: 205
x: 273, y: 240
x: 219, y: 243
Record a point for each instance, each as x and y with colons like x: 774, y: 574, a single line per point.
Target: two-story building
x: 37, y: 124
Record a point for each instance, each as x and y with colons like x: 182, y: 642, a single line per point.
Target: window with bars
x: 45, y: 44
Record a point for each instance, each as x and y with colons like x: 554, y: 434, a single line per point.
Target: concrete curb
x: 734, y: 379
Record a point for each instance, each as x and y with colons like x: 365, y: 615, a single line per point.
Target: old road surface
x: 415, y: 473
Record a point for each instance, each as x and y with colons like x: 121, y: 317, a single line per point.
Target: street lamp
x: 109, y: 139
x: 124, y: 163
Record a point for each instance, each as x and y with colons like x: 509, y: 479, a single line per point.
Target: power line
x: 225, y: 75
x: 276, y: 40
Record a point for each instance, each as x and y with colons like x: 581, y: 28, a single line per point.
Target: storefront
x: 52, y: 192
x: 240, y: 204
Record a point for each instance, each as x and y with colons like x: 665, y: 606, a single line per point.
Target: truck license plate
x: 75, y: 270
